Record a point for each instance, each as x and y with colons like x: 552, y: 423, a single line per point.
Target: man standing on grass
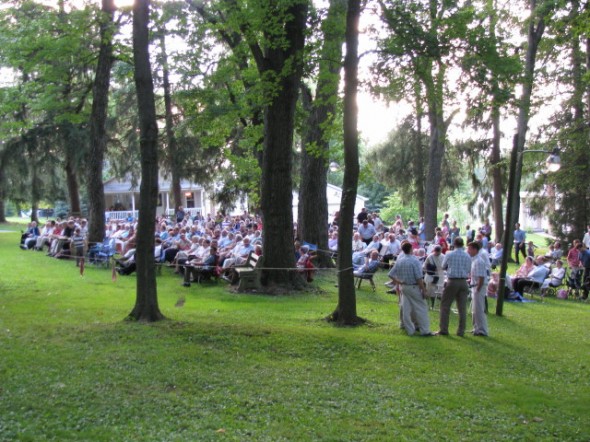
x: 458, y: 266
x: 407, y: 273
x: 519, y: 242
x: 479, y: 284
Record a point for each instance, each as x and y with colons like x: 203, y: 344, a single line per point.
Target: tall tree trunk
x: 419, y: 148
x: 496, y: 136
x: 35, y: 193
x: 579, y: 133
x: 277, y: 186
x: 276, y: 201
x: 436, y: 151
x: 72, y: 184
x: 345, y: 312
x: 497, y: 173
x: 535, y: 32
x: 146, y: 304
x: 98, y: 117
x: 3, y: 161
x: 173, y: 158
x: 313, y: 201
x: 32, y: 146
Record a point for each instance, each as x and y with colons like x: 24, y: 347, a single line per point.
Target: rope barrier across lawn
x: 99, y: 261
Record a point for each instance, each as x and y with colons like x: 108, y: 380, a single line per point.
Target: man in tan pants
x: 479, y: 284
x: 458, y: 266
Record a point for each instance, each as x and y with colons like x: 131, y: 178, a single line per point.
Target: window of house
x: 190, y: 200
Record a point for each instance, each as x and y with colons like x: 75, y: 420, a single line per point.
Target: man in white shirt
x: 496, y: 255
x: 586, y: 239
x: 392, y: 249
x: 367, y: 231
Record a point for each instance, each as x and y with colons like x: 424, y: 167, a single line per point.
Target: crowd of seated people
x: 63, y: 239
x: 183, y: 239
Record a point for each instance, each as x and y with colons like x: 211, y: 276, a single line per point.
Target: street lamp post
x: 553, y: 163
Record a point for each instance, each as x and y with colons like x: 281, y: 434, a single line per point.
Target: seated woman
x: 534, y: 278
x: 45, y: 236
x: 556, y: 277
x: 522, y: 272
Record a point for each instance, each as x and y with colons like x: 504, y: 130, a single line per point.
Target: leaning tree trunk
x: 345, y: 312
x: 98, y: 118
x: 146, y: 304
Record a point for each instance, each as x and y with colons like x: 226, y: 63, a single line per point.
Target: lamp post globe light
x: 553, y: 161
x: 552, y: 164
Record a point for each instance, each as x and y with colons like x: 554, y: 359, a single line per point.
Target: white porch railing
x: 120, y: 215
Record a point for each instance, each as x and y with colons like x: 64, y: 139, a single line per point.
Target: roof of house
x: 116, y: 185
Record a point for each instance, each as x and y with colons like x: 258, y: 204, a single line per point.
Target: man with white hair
x: 239, y: 254
x: 479, y: 282
x: 407, y: 274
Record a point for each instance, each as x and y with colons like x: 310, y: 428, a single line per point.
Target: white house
x: 122, y: 199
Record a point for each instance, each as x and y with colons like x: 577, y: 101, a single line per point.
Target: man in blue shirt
x: 519, y: 242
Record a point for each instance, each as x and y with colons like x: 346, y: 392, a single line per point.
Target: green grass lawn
x: 243, y: 367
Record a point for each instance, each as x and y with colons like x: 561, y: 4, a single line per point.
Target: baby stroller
x: 574, y: 283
